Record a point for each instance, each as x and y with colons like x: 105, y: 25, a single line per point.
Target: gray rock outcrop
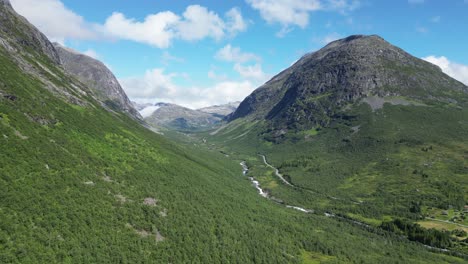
x: 98, y: 77
x: 16, y: 29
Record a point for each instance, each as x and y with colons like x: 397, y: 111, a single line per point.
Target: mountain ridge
x: 97, y: 76
x: 176, y: 117
x: 28, y: 35
x: 342, y: 72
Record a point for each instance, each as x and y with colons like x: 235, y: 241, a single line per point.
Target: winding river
x: 261, y: 192
x: 256, y: 184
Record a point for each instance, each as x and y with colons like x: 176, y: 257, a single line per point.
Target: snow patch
x: 147, y: 111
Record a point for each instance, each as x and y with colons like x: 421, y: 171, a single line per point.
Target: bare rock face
x: 34, y: 53
x: 16, y: 29
x: 5, y: 2
x: 98, y: 77
x: 345, y: 71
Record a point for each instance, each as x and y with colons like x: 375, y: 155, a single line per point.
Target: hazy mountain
x: 220, y: 110
x: 180, y: 118
x: 177, y: 117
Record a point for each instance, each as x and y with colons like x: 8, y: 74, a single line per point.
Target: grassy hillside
x: 80, y: 184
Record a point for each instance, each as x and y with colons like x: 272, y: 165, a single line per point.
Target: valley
x: 357, y: 153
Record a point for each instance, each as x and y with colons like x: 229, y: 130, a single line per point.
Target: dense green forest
x: 369, y: 165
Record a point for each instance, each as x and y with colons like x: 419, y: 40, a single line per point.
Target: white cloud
x: 454, y: 70
x: 235, y: 21
x: 159, y: 30
x: 234, y: 54
x: 91, y: 53
x: 155, y: 30
x: 251, y: 72
x: 290, y: 13
x: 199, y: 23
x: 55, y: 20
x: 157, y: 86
x: 286, y: 12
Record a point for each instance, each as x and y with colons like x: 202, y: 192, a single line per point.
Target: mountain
x: 180, y: 118
x: 82, y: 184
x: 365, y: 130
x: 19, y: 35
x: 220, y: 110
x: 345, y: 71
x: 98, y: 77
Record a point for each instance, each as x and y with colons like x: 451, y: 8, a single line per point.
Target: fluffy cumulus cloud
x: 55, y: 20
x: 155, y: 30
x: 289, y: 13
x: 157, y: 86
x: 198, y: 23
x: 158, y: 30
x: 454, y: 70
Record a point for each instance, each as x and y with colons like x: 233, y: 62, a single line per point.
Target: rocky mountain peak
x: 343, y: 72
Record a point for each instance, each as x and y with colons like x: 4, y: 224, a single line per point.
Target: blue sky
x: 198, y: 53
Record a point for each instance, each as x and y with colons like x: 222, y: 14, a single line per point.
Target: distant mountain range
x: 180, y: 118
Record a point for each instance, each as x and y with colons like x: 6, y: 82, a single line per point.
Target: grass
x: 315, y: 258
x: 442, y: 226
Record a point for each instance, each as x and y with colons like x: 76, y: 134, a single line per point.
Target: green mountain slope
x: 372, y: 137
x: 81, y: 184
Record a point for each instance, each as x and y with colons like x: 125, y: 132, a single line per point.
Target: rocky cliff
x: 16, y: 33
x: 96, y: 76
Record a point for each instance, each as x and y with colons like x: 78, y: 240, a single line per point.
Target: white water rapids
x: 256, y: 184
